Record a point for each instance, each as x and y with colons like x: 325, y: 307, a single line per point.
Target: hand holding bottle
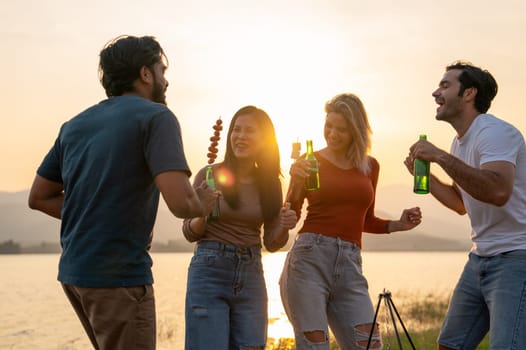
x: 421, y: 173
x: 299, y: 169
x: 304, y: 175
x: 208, y: 197
x: 423, y: 149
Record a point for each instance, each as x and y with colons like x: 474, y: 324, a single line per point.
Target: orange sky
x: 287, y: 57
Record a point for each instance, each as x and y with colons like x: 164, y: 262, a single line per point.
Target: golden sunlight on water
x: 36, y: 314
x: 278, y: 325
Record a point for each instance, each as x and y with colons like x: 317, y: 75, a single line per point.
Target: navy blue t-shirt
x: 107, y: 158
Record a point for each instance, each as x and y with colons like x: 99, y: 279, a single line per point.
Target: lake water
x: 36, y: 315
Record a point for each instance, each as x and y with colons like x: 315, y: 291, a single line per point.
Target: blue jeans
x: 490, y: 296
x: 226, y: 298
x: 323, y: 285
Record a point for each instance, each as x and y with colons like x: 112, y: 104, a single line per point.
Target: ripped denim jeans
x: 322, y: 285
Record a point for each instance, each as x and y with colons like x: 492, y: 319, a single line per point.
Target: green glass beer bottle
x: 214, y: 214
x: 421, y: 174
x: 312, y: 182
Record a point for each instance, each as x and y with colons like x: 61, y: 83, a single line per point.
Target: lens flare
x: 225, y: 177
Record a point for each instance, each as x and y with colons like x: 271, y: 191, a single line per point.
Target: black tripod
x: 386, y: 295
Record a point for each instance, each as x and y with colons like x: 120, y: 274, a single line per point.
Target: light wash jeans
x: 490, y: 296
x: 226, y: 298
x: 322, y: 285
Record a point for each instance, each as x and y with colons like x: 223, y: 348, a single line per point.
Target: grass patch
x: 422, y: 316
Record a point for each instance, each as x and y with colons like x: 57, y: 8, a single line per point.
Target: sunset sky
x: 287, y: 57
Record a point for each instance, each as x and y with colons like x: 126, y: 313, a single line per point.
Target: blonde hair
x: 352, y: 109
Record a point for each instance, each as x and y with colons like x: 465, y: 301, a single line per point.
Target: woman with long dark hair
x: 226, y: 297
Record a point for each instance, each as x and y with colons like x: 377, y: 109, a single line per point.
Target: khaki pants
x: 116, y: 318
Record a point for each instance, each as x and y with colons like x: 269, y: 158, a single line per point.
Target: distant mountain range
x: 440, y: 230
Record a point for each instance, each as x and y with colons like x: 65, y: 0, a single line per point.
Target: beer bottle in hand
x: 312, y: 182
x: 214, y: 214
x: 421, y: 174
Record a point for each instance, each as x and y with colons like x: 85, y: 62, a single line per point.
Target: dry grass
x: 422, y: 316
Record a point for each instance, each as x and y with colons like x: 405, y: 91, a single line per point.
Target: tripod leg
x: 402, y: 323
x: 388, y: 303
x: 374, y: 321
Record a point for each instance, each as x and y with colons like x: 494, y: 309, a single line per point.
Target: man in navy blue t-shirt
x: 102, y: 178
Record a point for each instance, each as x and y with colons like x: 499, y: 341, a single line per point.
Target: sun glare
x: 225, y: 177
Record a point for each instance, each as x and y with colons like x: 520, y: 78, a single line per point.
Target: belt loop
x: 221, y: 249
x: 318, y: 238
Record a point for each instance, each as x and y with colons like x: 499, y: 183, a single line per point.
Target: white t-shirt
x: 495, y: 229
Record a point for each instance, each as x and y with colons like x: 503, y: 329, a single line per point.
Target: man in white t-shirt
x: 487, y: 165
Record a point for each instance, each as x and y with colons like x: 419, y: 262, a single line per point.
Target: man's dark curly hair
x: 480, y: 79
x: 121, y: 60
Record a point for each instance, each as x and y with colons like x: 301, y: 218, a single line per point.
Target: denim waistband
x: 323, y: 239
x: 230, y: 248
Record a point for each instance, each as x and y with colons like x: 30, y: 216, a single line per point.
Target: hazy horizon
x: 28, y: 227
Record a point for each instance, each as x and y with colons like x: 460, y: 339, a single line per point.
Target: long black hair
x: 266, y: 166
